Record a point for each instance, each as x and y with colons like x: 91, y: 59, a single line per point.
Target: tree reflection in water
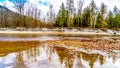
x: 19, y: 62
x: 47, y: 56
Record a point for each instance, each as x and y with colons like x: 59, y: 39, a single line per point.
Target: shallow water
x: 49, y: 56
x: 41, y: 37
x: 59, y: 57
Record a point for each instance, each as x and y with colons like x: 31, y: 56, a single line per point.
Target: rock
x: 110, y: 31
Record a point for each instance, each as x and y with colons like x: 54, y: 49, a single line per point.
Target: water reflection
x: 58, y: 57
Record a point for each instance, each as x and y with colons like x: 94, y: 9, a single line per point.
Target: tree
x: 110, y: 20
x: 86, y: 17
x: 2, y: 16
x: 61, y: 20
x: 51, y: 15
x: 79, y: 14
x: 98, y: 20
x: 4, y: 12
x: 116, y: 13
x: 19, y: 6
x: 117, y: 21
x: 35, y: 10
x: 102, y: 10
x: 115, y: 10
x: 70, y: 7
x: 71, y: 10
x: 92, y: 14
x: 30, y: 15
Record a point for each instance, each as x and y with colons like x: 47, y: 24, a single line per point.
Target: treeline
x: 90, y: 17
x: 68, y: 16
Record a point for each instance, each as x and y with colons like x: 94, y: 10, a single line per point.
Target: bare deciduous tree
x: 19, y: 6
x: 80, y: 7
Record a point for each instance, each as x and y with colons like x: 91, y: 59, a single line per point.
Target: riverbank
x: 59, y: 33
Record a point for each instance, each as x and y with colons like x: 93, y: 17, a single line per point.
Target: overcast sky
x: 44, y: 4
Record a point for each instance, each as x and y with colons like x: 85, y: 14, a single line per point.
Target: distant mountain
x: 6, y: 16
x: 9, y: 18
x: 4, y: 9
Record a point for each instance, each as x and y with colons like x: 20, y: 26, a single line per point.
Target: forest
x: 68, y: 16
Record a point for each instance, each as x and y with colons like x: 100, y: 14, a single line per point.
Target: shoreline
x: 58, y: 33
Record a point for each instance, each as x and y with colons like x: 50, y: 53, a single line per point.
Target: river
x: 40, y: 55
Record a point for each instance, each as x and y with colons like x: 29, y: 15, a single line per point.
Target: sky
x: 43, y: 5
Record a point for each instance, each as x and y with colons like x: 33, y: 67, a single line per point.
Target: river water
x: 50, y: 56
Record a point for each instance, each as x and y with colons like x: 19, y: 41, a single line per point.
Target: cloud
x: 9, y: 4
x: 43, y: 5
x: 56, y: 4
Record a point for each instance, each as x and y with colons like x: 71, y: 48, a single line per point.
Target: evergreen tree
x: 117, y: 21
x: 110, y: 20
x: 98, y: 20
x: 86, y: 17
x: 115, y: 10
x: 61, y: 20
x: 102, y: 20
